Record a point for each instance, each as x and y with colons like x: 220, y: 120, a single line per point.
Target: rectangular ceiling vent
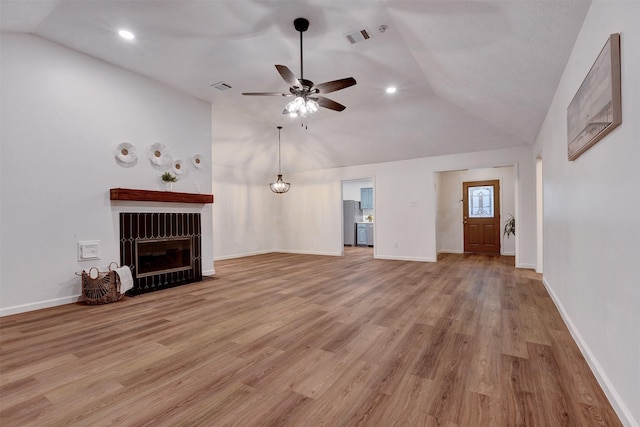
x: 221, y: 85
x: 358, y: 36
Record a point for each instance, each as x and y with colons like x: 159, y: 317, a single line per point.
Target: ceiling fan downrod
x: 301, y: 25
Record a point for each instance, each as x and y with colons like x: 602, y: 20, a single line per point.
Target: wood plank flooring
x: 301, y: 340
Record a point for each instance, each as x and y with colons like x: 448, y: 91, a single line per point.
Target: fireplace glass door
x: 162, y: 256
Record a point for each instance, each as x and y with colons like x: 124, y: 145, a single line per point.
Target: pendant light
x: 279, y: 186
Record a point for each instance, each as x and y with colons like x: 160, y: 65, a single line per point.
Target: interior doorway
x: 358, y: 216
x: 481, y: 216
x: 449, y: 206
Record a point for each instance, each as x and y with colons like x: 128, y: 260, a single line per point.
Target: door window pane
x: 481, y: 202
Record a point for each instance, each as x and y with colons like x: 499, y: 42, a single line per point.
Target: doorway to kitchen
x: 358, y: 217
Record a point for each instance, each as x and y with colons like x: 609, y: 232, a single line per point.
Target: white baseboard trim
x: 282, y: 251
x: 39, y: 305
x: 508, y: 253
x: 614, y: 398
x: 241, y: 255
x: 524, y: 265
x: 307, y: 252
x: 404, y: 258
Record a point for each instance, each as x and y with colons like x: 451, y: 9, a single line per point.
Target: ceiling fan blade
x: 328, y: 103
x: 335, y: 85
x: 266, y: 94
x: 287, y: 75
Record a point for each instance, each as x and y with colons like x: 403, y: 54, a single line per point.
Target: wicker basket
x: 101, y: 289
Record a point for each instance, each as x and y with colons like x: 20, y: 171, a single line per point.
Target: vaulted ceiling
x: 470, y: 75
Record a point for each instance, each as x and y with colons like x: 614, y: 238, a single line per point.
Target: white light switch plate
x: 88, y: 250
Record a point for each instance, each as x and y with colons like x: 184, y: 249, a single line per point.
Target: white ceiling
x: 471, y: 75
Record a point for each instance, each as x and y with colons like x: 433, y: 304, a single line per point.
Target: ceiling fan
x: 307, y: 94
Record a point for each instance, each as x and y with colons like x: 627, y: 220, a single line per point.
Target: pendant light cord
x: 279, y: 161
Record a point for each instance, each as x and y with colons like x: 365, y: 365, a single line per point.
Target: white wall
x: 405, y: 205
x: 591, y: 222
x: 62, y: 115
x: 244, y: 213
x: 450, y: 231
x: 539, y: 217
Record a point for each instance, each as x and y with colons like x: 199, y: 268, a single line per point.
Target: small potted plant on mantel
x: 168, y: 178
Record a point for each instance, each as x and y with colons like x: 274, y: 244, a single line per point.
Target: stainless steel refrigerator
x: 352, y: 213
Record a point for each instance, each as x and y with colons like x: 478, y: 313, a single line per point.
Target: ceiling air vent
x: 221, y: 86
x: 358, y: 36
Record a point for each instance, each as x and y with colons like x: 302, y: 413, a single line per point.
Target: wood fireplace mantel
x: 159, y: 196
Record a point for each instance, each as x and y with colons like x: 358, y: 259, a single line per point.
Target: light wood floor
x: 302, y: 340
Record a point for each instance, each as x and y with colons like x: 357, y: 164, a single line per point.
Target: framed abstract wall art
x: 596, y: 109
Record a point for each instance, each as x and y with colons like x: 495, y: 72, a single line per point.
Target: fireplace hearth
x: 162, y: 250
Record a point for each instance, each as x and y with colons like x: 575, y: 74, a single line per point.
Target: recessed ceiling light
x: 391, y: 89
x: 127, y: 35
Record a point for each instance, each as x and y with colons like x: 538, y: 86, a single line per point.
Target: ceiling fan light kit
x: 279, y: 186
x: 307, y: 95
x: 300, y: 107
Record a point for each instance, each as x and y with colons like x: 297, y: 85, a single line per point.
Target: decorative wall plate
x: 126, y: 155
x: 197, y: 161
x: 179, y: 168
x: 159, y: 154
